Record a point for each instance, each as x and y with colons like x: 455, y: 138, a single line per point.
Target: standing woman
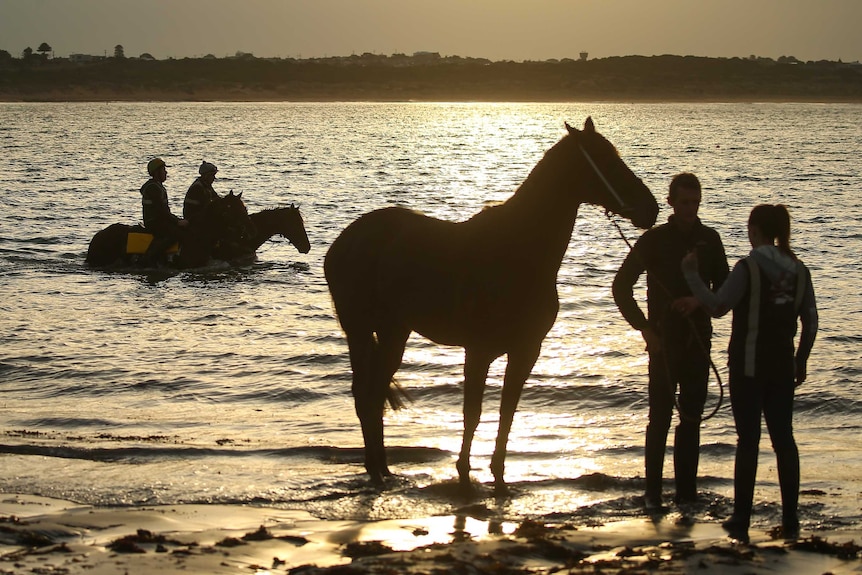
x: 767, y: 291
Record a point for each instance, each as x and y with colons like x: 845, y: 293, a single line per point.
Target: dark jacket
x: 198, y: 198
x: 659, y: 252
x: 158, y: 218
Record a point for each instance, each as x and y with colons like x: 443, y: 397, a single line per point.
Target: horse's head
x: 235, y: 219
x: 292, y: 227
x: 607, y: 181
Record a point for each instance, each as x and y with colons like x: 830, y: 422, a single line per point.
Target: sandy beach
x: 41, y: 535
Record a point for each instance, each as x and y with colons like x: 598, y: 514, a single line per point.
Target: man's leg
x: 693, y: 369
x: 157, y: 248
x: 661, y: 394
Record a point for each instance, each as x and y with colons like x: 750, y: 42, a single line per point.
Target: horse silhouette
x: 286, y: 222
x: 487, y: 284
x: 224, y: 218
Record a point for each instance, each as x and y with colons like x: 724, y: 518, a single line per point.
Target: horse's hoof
x: 376, y: 479
x: 501, y: 490
x: 466, y: 489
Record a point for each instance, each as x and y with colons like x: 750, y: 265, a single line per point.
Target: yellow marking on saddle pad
x: 138, y: 243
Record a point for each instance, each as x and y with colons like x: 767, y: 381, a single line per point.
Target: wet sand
x: 41, y: 535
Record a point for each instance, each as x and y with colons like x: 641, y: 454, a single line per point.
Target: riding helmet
x: 207, y: 168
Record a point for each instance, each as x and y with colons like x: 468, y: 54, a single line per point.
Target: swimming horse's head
x: 294, y: 229
x: 236, y: 221
x: 607, y: 181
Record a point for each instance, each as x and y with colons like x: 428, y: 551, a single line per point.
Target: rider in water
x: 201, y: 192
x: 158, y: 219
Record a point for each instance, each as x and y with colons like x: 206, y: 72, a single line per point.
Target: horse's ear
x: 589, y: 127
x: 570, y: 129
x: 239, y: 195
x: 230, y: 194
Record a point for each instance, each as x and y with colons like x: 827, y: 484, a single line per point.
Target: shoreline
x: 62, y: 536
x: 232, y: 97
x: 432, y: 78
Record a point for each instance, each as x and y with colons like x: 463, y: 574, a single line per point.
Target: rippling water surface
x: 232, y: 385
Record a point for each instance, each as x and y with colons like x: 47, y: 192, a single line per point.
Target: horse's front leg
x: 518, y: 368
x: 475, y: 373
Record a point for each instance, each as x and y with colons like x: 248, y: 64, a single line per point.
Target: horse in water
x: 286, y: 222
x: 487, y: 284
x: 224, y: 218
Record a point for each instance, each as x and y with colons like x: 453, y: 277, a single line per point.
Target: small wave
x: 845, y: 338
x: 821, y: 404
x: 160, y: 451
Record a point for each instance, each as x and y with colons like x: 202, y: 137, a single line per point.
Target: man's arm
x: 623, y: 290
x: 719, y: 268
x: 633, y: 267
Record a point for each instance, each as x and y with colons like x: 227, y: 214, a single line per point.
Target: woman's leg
x: 746, y: 398
x: 778, y: 412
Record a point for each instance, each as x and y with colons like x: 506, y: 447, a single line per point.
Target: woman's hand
x: 801, y: 371
x: 689, y: 262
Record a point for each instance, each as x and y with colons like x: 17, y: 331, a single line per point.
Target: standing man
x: 201, y: 192
x: 677, y: 333
x: 158, y: 219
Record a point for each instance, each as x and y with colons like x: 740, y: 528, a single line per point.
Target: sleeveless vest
x: 764, y: 326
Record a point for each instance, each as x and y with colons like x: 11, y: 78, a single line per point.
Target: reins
x: 697, y: 337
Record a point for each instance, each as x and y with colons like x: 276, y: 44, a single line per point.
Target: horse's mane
x: 280, y: 208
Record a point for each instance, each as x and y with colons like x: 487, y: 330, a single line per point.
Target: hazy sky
x: 495, y: 29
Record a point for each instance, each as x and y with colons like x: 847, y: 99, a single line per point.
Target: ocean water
x: 232, y: 385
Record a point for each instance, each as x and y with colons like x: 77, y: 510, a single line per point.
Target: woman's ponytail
x: 773, y: 221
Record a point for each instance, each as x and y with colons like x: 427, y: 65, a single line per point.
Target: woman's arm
x: 728, y: 295
x: 809, y: 318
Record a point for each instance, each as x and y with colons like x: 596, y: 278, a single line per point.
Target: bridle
x: 624, y: 207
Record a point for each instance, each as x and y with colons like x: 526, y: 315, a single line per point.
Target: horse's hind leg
x: 389, y: 352
x: 475, y: 373
x: 368, y: 403
x: 374, y: 363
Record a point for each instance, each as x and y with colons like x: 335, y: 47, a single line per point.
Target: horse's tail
x: 397, y: 396
x: 350, y: 267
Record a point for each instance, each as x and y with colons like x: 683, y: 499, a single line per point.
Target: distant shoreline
x: 385, y: 79
x: 96, y: 98
x: 239, y: 95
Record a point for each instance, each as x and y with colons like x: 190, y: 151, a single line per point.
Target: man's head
x: 684, y: 197
x: 157, y: 169
x: 207, y: 172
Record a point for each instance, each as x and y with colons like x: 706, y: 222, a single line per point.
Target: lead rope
x: 700, y: 342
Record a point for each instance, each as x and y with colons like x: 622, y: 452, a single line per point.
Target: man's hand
x: 652, y: 339
x: 685, y: 305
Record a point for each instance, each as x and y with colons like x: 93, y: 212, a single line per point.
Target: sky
x: 516, y: 30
